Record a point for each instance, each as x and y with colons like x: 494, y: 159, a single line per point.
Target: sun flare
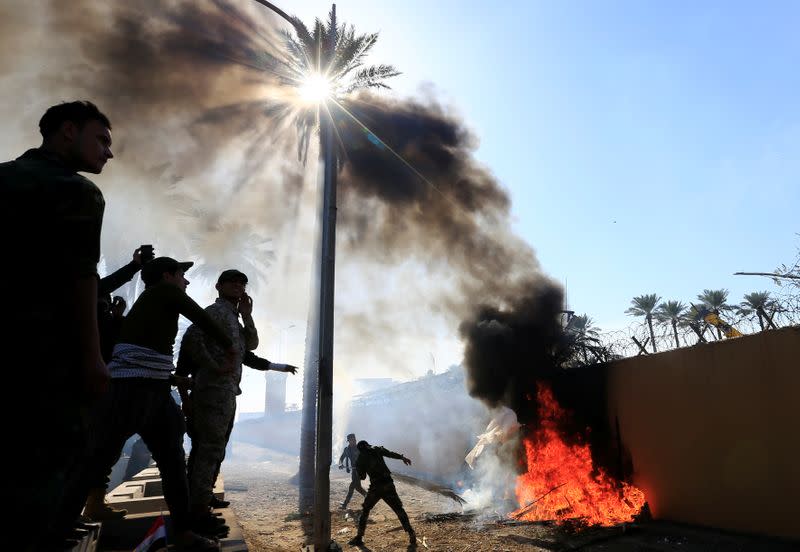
x: 315, y: 88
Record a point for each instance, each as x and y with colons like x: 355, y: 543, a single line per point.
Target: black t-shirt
x: 153, y: 319
x: 50, y: 219
x: 50, y: 222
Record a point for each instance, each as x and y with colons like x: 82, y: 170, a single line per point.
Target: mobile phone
x: 147, y: 253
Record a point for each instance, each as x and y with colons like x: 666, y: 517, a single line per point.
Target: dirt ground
x: 265, y: 503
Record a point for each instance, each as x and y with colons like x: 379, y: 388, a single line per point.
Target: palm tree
x: 671, y: 312
x: 583, y: 335
x: 643, y: 305
x: 331, y: 55
x: 582, y: 325
x: 580, y: 344
x: 694, y: 319
x: 715, y: 300
x: 757, y: 303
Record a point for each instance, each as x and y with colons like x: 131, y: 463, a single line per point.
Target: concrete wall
x: 714, y: 431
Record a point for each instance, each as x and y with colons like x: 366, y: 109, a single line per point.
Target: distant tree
x: 693, y: 318
x: 644, y: 305
x: 583, y: 333
x: 581, y: 345
x: 671, y: 312
x: 758, y: 303
x: 716, y: 300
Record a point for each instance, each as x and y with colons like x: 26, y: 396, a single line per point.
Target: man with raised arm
x: 140, y: 399
x: 381, y: 487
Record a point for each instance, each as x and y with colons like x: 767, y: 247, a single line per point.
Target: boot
x: 205, y: 523
x: 97, y: 509
x: 217, y: 503
x: 356, y: 541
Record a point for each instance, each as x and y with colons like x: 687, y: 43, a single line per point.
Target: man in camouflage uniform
x: 50, y: 221
x: 381, y: 487
x: 211, y: 407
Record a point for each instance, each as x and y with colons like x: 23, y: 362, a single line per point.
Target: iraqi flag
x: 155, y: 539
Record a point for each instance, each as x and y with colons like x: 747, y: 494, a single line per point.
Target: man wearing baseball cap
x: 140, y: 401
x: 212, y: 404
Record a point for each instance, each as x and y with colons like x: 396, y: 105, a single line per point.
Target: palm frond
x: 715, y: 299
x: 670, y: 311
x: 372, y: 77
x: 643, y: 305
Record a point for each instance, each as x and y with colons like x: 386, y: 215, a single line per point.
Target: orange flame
x: 562, y: 483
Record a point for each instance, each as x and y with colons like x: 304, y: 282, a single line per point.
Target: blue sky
x: 648, y: 147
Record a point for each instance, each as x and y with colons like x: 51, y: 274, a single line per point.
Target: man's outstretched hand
x: 278, y: 367
x: 406, y: 461
x: 290, y: 369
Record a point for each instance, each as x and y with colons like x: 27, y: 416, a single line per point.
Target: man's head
x: 165, y: 269
x: 351, y: 439
x: 231, y: 285
x: 363, y: 445
x: 79, y: 134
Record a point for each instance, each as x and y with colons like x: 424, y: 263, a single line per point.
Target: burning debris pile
x: 514, y: 359
x: 562, y: 482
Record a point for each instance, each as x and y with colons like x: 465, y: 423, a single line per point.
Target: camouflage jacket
x: 205, y: 354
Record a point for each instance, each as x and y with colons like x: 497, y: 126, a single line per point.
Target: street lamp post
x: 322, y: 514
x: 323, y: 343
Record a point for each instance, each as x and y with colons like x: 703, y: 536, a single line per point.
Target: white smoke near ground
x: 492, y: 461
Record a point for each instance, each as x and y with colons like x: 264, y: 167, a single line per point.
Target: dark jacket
x: 370, y: 462
x: 153, y: 319
x: 349, y: 457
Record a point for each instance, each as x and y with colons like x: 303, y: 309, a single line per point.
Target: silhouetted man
x: 50, y: 221
x: 110, y: 311
x: 140, y: 399
x: 348, y: 460
x: 212, y: 402
x: 381, y: 487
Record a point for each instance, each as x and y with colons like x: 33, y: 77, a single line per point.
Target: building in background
x: 275, y: 395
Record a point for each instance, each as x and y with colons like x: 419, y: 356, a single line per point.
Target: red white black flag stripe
x: 156, y: 537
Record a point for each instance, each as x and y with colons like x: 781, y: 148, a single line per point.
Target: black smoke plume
x: 415, y: 162
x: 185, y: 79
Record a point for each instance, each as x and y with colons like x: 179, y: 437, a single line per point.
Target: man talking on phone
x: 212, y: 405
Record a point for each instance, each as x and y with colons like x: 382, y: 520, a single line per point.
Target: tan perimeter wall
x: 714, y: 431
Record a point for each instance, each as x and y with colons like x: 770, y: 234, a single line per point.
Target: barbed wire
x: 622, y: 343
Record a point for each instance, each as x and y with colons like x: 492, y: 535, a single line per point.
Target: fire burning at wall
x: 562, y: 483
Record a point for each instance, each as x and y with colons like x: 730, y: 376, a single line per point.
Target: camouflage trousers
x: 213, y: 411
